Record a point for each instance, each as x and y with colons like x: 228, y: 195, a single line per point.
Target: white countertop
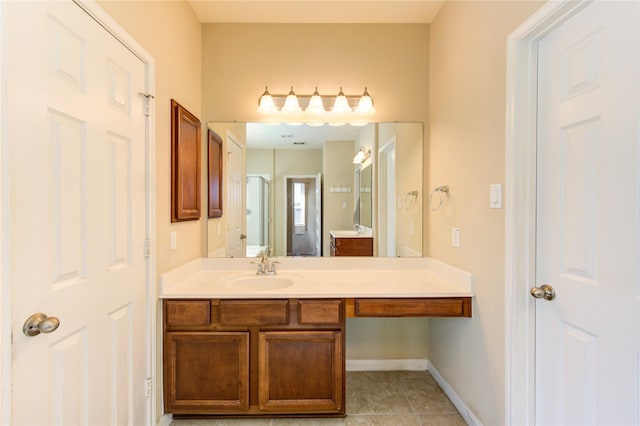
x: 350, y: 234
x: 342, y: 277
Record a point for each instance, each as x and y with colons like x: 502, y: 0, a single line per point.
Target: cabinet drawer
x: 254, y: 312
x: 320, y: 312
x: 428, y: 307
x: 180, y: 313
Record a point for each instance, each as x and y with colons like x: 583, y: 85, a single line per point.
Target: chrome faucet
x: 264, y: 266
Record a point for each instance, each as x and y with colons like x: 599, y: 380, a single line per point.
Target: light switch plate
x: 495, y: 196
x: 173, y: 240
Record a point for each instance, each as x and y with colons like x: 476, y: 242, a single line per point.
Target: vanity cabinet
x: 351, y: 246
x: 254, y: 357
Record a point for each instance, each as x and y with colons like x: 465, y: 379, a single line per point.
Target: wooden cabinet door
x: 353, y: 247
x: 301, y: 371
x: 206, y: 372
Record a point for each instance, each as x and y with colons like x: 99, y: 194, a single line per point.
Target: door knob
x: 545, y: 291
x: 243, y: 236
x: 40, y: 323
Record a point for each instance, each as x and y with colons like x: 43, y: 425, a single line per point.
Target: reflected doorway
x: 387, y: 201
x: 303, y: 218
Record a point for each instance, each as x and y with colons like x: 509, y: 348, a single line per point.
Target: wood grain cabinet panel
x: 427, y: 307
x: 206, y: 372
x: 301, y: 371
x: 321, y: 311
x: 185, y: 164
x: 344, y: 246
x: 187, y: 313
x: 254, y: 312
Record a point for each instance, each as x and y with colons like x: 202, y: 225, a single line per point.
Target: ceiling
x: 265, y: 136
x: 316, y: 11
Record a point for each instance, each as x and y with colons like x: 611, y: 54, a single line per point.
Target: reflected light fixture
x: 310, y: 109
x: 361, y: 156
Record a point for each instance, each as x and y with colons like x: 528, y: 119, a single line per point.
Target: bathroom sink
x: 260, y: 282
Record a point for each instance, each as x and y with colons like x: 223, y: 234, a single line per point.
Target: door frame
x: 107, y: 22
x: 383, y: 208
x: 520, y: 205
x: 286, y: 206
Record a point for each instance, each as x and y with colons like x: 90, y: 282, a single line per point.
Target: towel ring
x: 440, y: 189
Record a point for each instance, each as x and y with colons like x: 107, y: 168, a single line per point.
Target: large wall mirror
x: 286, y: 187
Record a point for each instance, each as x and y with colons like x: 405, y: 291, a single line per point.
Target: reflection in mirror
x: 364, y: 195
x: 301, y: 182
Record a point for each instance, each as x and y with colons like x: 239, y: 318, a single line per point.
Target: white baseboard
x: 387, y: 364
x: 395, y: 365
x: 165, y: 420
x: 464, y: 410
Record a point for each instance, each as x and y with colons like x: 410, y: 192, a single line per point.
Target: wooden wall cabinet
x: 214, y: 174
x: 185, y: 164
x: 254, y: 357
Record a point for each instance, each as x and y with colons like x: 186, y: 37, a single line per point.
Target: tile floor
x: 374, y: 398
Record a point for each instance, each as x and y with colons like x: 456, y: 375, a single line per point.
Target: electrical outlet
x: 455, y: 236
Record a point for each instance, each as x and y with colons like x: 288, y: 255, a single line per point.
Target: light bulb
x: 315, y: 104
x: 291, y: 105
x: 266, y: 105
x: 365, y: 104
x: 341, y: 104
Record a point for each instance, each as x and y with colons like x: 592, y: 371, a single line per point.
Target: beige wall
x: 170, y: 32
x: 238, y: 60
x: 468, y: 62
x: 338, y: 172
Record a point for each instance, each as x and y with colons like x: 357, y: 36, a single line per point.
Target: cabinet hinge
x: 147, y: 248
x: 147, y: 103
x: 149, y: 387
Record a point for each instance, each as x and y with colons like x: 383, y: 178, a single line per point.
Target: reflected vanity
x: 300, y: 183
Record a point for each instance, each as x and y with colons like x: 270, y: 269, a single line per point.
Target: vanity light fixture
x: 362, y: 155
x: 311, y: 109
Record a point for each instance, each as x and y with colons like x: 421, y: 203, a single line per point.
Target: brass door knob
x: 40, y: 323
x: 545, y: 291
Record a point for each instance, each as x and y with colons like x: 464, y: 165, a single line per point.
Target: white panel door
x: 236, y: 217
x: 587, y: 219
x: 387, y: 201
x: 76, y: 130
